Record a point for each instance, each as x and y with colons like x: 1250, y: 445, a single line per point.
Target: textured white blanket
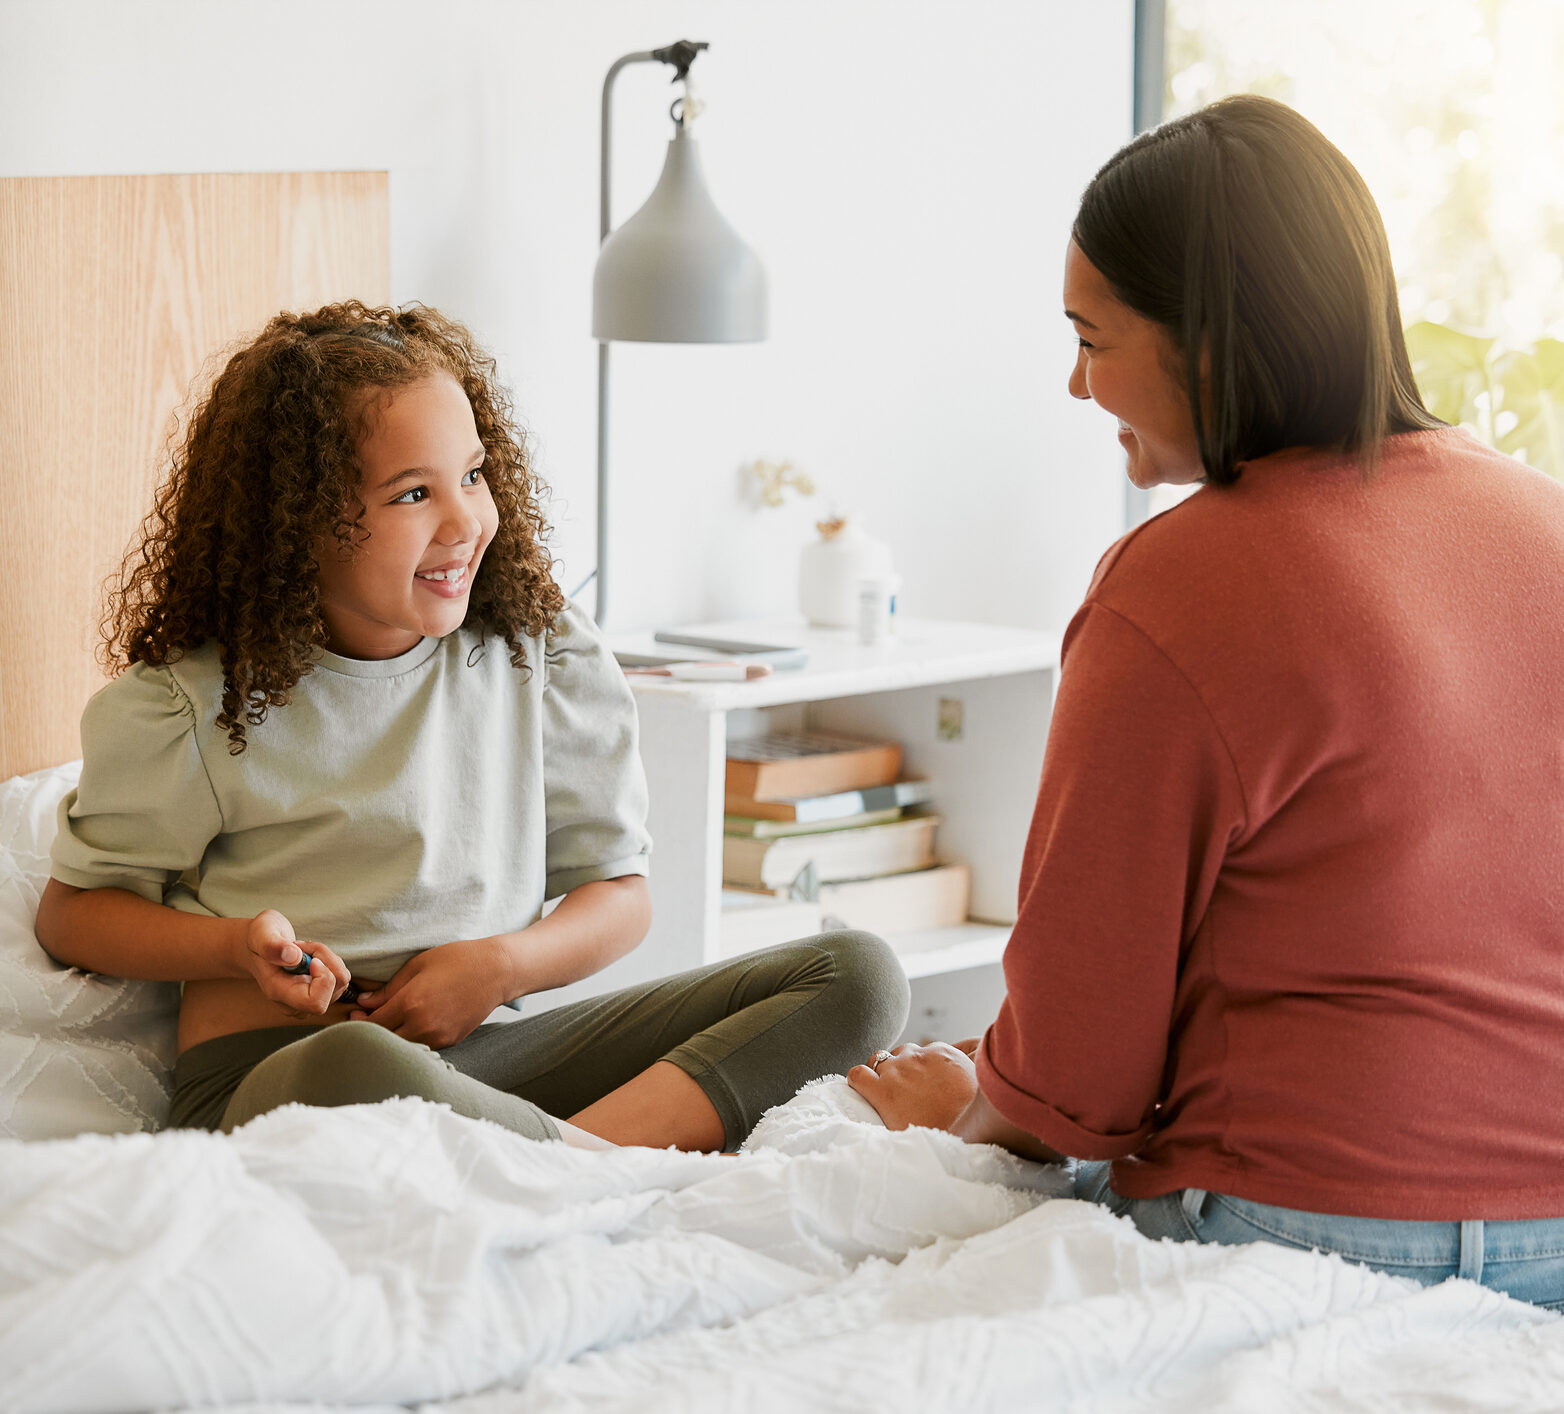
x: 384, y: 1255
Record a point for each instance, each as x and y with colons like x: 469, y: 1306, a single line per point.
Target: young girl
x: 360, y: 738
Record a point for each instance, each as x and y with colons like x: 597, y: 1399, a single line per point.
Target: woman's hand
x: 440, y: 996
x: 269, y: 949
x: 929, y: 1086
x: 936, y: 1087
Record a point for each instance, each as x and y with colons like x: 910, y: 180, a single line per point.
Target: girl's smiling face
x: 1125, y: 365
x: 429, y: 517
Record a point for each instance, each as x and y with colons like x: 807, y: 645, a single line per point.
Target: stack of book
x: 821, y: 831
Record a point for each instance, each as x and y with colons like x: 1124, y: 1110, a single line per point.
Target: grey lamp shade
x: 676, y: 272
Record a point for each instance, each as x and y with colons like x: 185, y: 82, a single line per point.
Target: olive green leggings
x: 749, y: 1032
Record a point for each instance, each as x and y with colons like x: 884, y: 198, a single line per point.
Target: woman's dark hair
x: 268, y: 467
x: 1252, y: 239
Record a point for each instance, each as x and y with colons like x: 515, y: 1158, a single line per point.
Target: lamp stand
x: 681, y: 55
x: 600, y: 612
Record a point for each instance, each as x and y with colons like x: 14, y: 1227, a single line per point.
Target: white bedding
x: 380, y: 1256
x: 78, y: 1052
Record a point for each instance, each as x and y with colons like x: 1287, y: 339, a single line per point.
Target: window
x: 1453, y: 112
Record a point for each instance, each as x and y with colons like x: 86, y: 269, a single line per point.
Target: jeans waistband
x: 1468, y: 1246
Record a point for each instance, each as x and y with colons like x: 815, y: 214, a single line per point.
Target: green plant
x: 1512, y: 398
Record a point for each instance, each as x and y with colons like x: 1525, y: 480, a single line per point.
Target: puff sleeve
x: 594, y: 786
x: 144, y: 811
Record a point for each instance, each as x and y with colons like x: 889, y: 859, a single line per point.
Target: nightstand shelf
x: 934, y: 951
x: 997, y: 682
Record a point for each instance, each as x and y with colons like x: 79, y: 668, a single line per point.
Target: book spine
x: 824, y: 774
x: 752, y: 827
x: 817, y: 808
x: 859, y: 852
x: 901, y: 903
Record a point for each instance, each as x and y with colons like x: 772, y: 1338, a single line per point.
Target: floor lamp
x: 674, y: 273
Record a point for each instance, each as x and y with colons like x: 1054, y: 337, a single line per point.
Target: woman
x: 1291, y: 926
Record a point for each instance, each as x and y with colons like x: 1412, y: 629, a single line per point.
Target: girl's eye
x: 1083, y: 343
x: 418, y: 494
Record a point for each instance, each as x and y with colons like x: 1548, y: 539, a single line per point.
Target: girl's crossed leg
x: 692, y: 1060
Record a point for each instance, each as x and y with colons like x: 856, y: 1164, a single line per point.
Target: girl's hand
x: 929, y: 1086
x: 269, y: 948
x: 442, y: 995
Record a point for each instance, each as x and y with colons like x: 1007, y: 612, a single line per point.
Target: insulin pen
x: 302, y: 968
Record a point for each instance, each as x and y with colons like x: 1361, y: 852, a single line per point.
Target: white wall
x: 908, y: 169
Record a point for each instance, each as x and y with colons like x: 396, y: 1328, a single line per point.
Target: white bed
x: 397, y: 1255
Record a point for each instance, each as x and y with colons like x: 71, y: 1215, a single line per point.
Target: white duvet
x: 398, y: 1255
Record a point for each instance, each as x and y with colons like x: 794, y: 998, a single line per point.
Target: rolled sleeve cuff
x: 562, y: 881
x: 1055, y: 1129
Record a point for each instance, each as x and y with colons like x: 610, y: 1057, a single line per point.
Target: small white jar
x: 877, y: 607
x: 830, y: 569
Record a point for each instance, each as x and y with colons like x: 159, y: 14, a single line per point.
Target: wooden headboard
x: 116, y: 293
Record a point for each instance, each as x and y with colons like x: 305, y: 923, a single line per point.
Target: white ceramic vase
x: 830, y: 569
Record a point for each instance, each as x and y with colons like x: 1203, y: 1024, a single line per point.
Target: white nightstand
x: 985, y: 779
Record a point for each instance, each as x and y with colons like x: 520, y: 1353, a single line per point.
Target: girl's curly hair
x: 269, y: 465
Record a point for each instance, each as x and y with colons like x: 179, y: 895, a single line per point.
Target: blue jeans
x: 1523, y: 1258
